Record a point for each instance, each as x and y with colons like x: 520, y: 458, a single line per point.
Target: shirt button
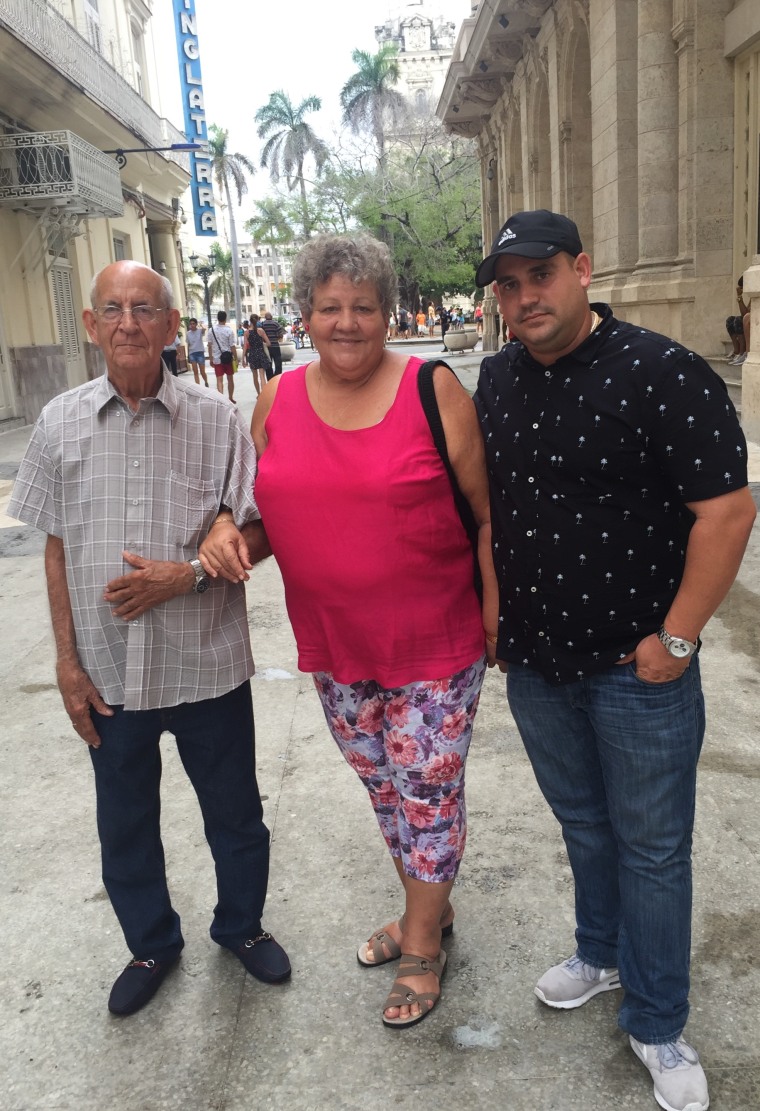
x: 135, y: 423
x: 547, y: 374
x: 535, y: 426
x: 135, y: 501
x: 529, y: 533
x: 531, y: 478
x: 136, y: 463
x: 137, y: 623
x: 533, y: 589
x: 540, y: 634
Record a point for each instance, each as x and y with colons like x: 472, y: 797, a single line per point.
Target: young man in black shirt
x: 620, y: 516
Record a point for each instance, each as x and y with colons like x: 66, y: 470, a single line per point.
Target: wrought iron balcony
x: 44, y: 30
x: 44, y: 169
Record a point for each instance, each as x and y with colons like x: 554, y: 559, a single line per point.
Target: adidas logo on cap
x: 505, y: 235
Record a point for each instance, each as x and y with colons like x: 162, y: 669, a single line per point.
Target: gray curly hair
x: 360, y: 258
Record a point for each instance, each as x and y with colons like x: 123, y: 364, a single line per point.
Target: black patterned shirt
x: 590, y: 463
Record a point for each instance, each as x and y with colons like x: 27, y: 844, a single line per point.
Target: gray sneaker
x: 680, y: 1083
x: 573, y: 983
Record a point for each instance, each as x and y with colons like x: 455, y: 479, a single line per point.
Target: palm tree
x: 221, y: 287
x: 227, y: 167
x: 270, y: 226
x: 290, y: 140
x: 369, y: 99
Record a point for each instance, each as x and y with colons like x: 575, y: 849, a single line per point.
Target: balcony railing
x: 40, y: 27
x: 39, y: 170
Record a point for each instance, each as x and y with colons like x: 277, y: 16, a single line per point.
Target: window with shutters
x: 65, y: 314
x: 121, y: 247
x: 92, y: 24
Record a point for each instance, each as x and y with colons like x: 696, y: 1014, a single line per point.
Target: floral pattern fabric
x: 408, y: 745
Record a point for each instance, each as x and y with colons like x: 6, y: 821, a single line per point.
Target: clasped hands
x: 153, y: 581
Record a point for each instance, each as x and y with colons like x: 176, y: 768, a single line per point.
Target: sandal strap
x: 383, y: 947
x: 420, y: 966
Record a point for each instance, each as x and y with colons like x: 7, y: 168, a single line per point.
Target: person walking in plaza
x: 378, y: 573
x: 274, y: 333
x: 196, y: 354
x: 222, y: 353
x: 620, y: 517
x: 257, y: 345
x: 126, y: 474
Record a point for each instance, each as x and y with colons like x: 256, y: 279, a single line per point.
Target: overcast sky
x: 301, y: 46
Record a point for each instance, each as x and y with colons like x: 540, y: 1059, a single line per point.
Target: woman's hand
x: 224, y: 552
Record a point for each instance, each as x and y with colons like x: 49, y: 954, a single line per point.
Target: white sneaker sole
x: 571, y: 1004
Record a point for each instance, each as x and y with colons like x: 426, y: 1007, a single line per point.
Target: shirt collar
x: 105, y: 392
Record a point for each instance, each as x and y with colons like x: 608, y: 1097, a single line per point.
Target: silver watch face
x: 202, y: 585
x: 679, y: 648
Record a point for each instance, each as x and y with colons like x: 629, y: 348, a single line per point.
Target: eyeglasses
x: 142, y: 314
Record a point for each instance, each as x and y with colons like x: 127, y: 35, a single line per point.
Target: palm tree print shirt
x: 591, y: 461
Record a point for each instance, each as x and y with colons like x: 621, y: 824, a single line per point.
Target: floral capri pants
x: 408, y: 745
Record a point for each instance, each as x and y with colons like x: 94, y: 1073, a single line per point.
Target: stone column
x: 658, y: 135
x: 751, y: 366
x: 163, y: 248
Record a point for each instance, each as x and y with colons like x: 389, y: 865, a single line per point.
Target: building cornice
x: 487, y: 51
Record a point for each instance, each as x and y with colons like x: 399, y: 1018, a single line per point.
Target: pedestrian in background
x: 196, y: 354
x: 257, y: 345
x: 274, y: 334
x: 222, y: 353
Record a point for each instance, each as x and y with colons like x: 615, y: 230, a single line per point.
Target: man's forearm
x: 60, y: 603
x: 713, y: 557
x: 257, y: 540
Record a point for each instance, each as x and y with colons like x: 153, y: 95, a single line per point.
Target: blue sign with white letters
x: 186, y: 28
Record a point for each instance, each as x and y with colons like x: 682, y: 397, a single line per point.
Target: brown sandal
x: 401, y: 995
x: 384, y: 948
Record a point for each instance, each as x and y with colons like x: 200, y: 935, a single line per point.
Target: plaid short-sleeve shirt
x: 107, y: 479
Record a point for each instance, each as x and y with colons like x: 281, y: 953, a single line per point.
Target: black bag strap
x: 432, y: 413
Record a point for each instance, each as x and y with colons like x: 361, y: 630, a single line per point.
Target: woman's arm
x: 227, y: 551
x: 464, y: 444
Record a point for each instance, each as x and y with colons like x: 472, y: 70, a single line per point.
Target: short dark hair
x: 192, y: 320
x: 221, y: 316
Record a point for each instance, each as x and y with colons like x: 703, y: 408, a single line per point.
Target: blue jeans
x: 215, y: 741
x: 616, y: 759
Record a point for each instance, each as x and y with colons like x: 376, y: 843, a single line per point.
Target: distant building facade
x: 425, y: 43
x: 266, y: 277
x: 76, y: 80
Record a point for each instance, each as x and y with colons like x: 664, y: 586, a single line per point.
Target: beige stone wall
x: 622, y: 114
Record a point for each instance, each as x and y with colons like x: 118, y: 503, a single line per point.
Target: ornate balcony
x: 57, y: 169
x: 38, y: 26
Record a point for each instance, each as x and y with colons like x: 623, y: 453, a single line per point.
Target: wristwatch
x: 677, y: 646
x: 201, y: 583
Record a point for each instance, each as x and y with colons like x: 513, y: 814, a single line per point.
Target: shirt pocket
x: 193, y: 505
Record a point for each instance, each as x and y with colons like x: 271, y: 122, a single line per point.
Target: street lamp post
x: 204, y: 270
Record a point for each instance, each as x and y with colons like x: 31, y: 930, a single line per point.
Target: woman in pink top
x: 359, y: 513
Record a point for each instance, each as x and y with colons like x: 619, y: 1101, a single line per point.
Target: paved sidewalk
x: 216, y: 1039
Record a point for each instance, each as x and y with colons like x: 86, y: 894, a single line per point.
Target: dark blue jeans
x: 215, y: 741
x: 616, y: 759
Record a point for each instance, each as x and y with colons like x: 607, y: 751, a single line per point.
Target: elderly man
x: 620, y: 516
x: 126, y: 475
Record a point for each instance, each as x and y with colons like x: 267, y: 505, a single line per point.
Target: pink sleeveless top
x: 376, y: 564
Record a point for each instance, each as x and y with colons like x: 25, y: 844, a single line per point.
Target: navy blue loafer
x: 137, y: 985
x: 264, y: 958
